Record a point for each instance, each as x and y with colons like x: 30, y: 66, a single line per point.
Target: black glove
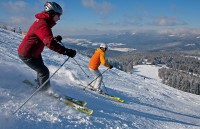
x: 69, y: 52
x: 111, y: 67
x: 58, y: 38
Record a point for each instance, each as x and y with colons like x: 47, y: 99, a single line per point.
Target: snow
x: 86, y: 43
x: 149, y: 104
x: 147, y: 71
x: 122, y: 49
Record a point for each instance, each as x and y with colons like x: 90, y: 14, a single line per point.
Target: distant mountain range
x: 140, y: 42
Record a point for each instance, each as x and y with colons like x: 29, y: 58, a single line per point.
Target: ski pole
x: 81, y: 67
x: 104, y: 86
x: 77, y: 62
x: 87, y: 75
x: 97, y: 77
x: 41, y: 86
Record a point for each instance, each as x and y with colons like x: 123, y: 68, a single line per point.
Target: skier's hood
x: 46, y: 16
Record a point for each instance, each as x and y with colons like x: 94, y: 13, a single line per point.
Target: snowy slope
x: 149, y: 104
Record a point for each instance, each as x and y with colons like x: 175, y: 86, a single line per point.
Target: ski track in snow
x: 149, y: 104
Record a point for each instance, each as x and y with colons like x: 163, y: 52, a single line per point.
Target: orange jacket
x: 97, y: 59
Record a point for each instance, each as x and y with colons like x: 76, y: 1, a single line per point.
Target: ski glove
x: 111, y: 67
x: 69, y: 52
x: 58, y: 38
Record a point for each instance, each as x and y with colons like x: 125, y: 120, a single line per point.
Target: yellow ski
x: 69, y: 101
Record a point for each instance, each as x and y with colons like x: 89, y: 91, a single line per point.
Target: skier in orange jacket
x: 95, y: 61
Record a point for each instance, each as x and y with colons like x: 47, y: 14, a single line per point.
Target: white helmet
x: 103, y: 45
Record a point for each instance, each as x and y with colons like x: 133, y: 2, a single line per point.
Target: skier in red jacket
x: 40, y: 35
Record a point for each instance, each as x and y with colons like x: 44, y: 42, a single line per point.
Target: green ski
x: 72, y: 104
x: 76, y: 101
x: 69, y: 101
x: 112, y: 97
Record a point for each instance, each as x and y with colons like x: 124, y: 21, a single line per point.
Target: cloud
x: 15, y: 21
x: 119, y: 24
x: 167, y: 21
x: 18, y: 13
x: 15, y: 6
x: 124, y: 22
x: 179, y: 31
x: 100, y: 8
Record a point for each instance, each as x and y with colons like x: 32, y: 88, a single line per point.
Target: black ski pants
x: 37, y: 65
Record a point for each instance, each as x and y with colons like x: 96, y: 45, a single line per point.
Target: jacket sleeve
x: 45, y: 34
x: 103, y: 60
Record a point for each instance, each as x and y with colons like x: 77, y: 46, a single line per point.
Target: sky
x: 149, y: 104
x: 108, y: 16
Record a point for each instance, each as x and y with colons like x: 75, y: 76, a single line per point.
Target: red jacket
x: 38, y: 36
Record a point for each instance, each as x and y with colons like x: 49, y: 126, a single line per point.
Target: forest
x: 181, y: 71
